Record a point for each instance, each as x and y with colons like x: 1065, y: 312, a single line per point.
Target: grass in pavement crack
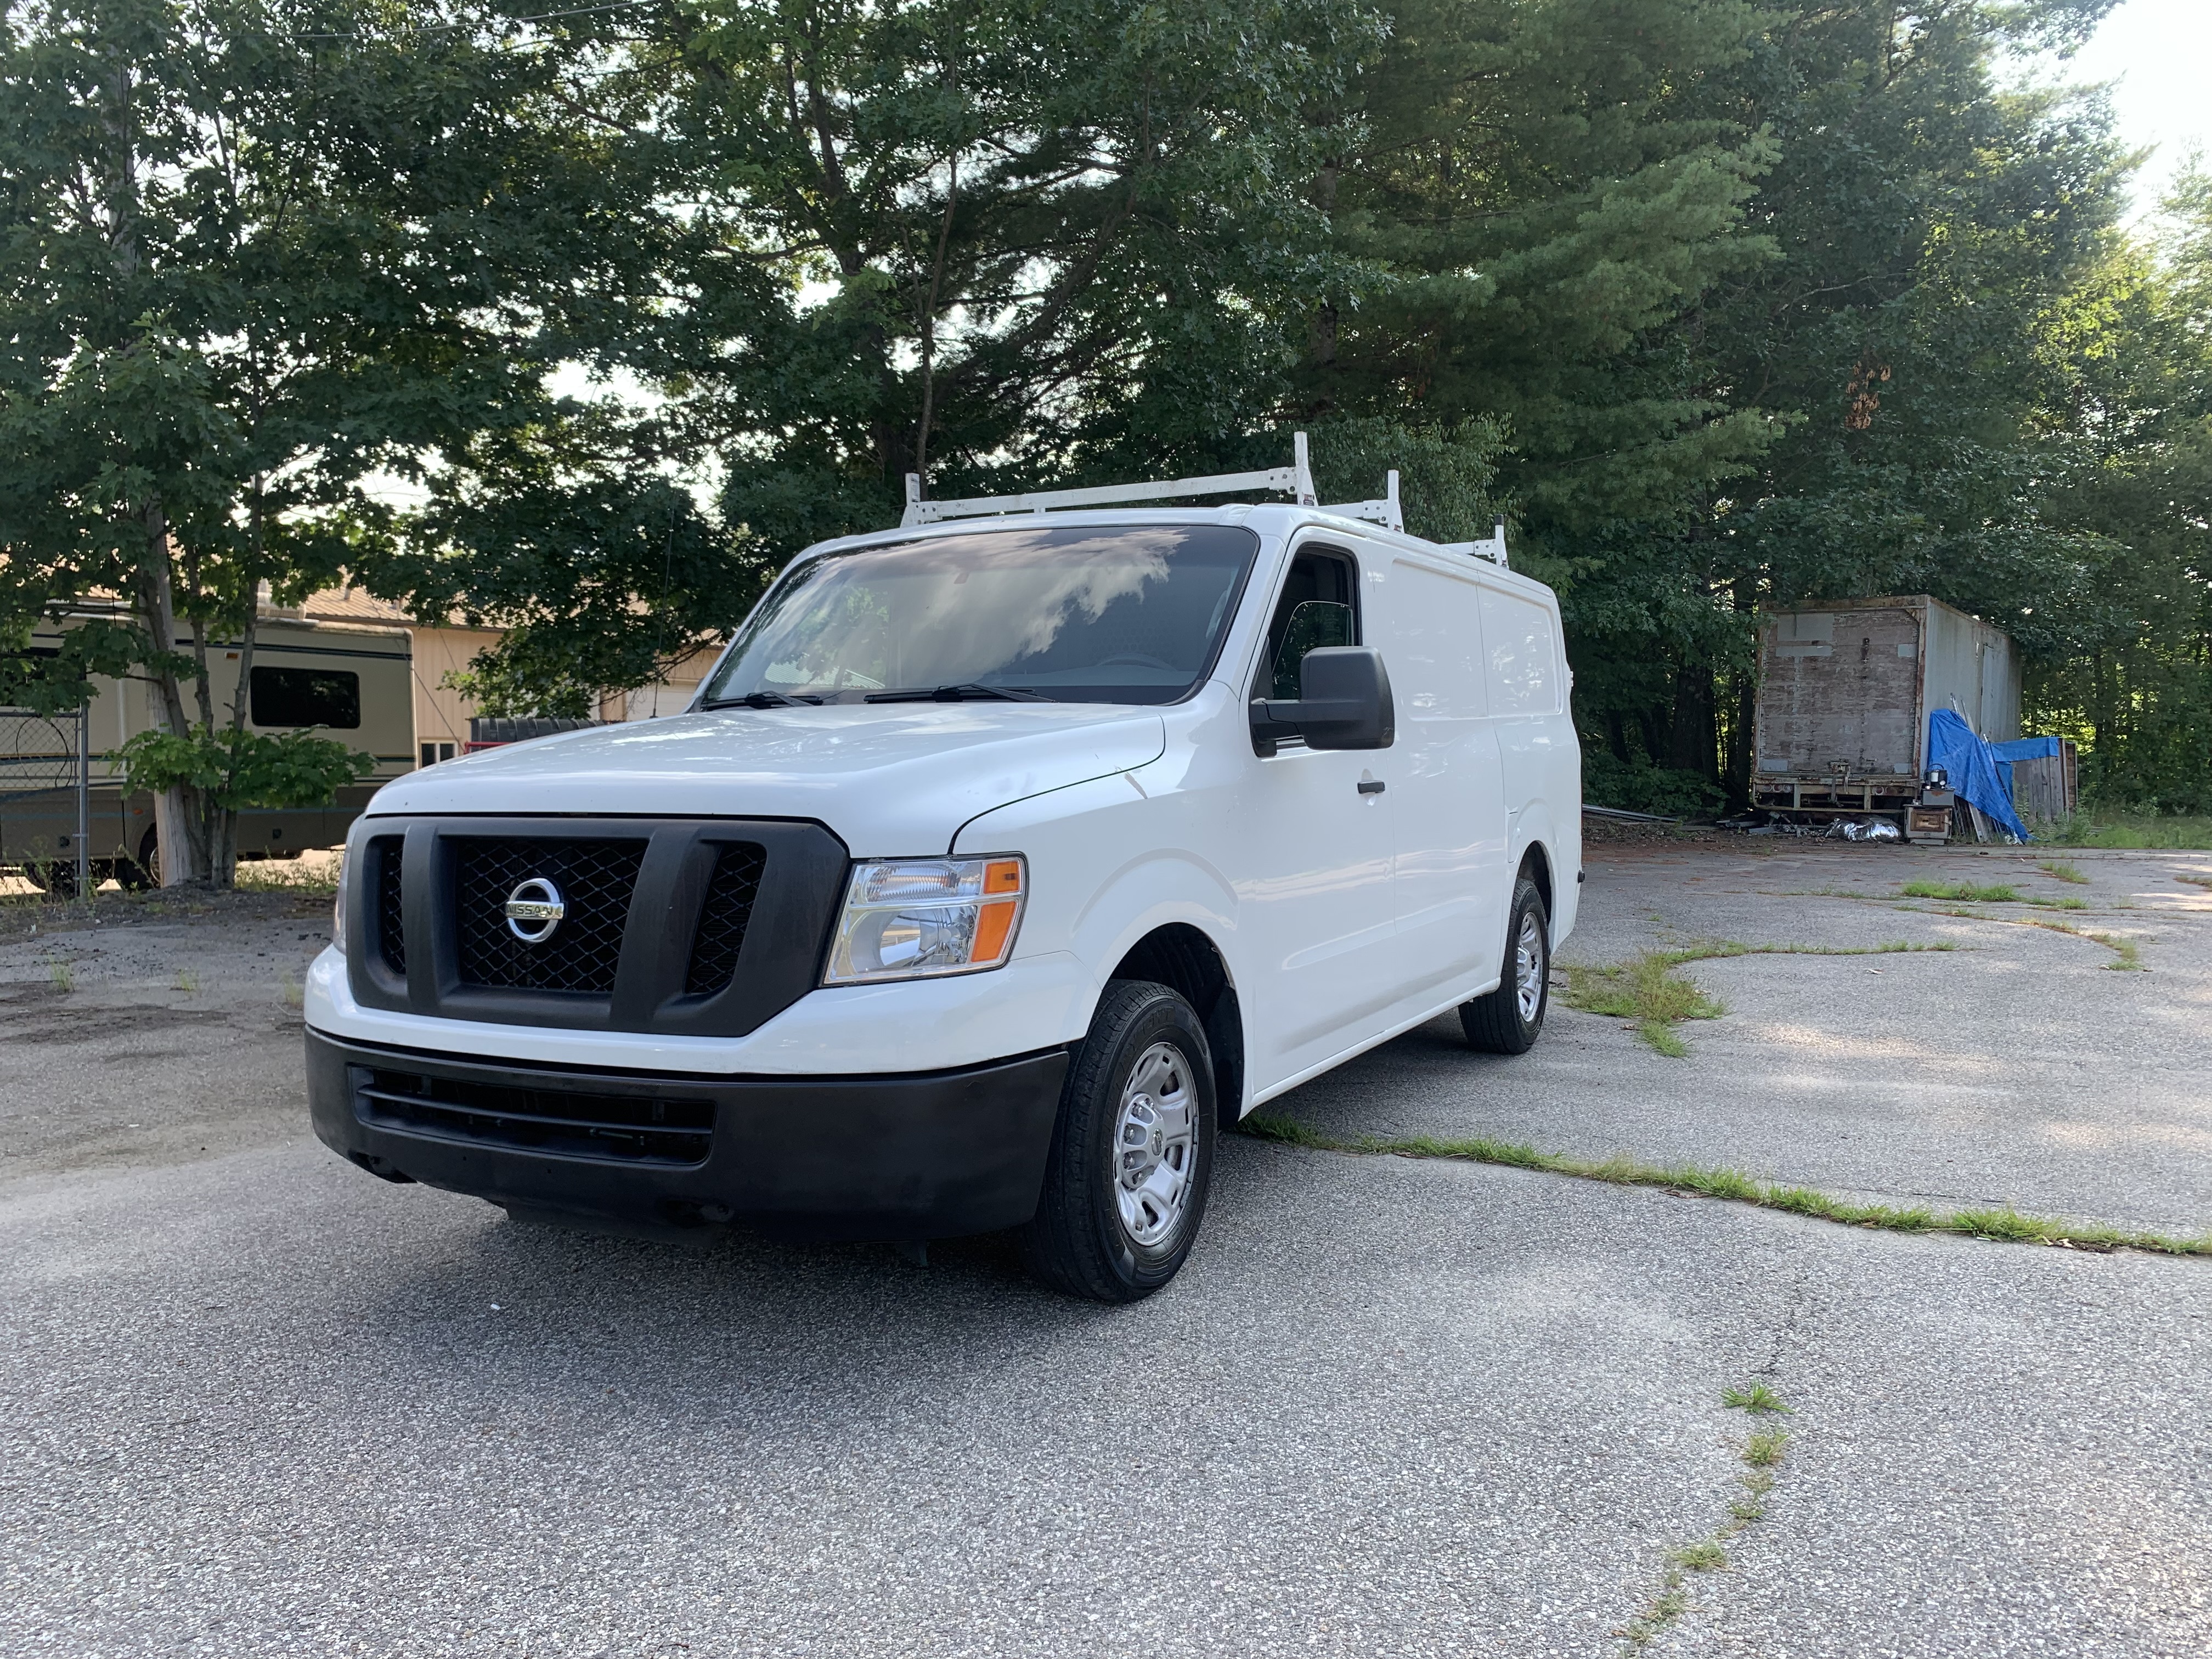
x: 2060, y: 869
x: 2127, y: 956
x: 1966, y: 893
x: 2005, y: 1226
x: 1758, y: 1400
x: 1647, y: 990
x: 1761, y: 1453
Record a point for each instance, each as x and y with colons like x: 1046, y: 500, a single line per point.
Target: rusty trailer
x: 1845, y: 692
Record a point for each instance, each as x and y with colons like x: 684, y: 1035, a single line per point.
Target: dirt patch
x: 102, y: 1024
x: 1636, y: 832
x: 23, y: 917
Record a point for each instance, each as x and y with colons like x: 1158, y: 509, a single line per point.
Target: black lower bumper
x: 928, y: 1156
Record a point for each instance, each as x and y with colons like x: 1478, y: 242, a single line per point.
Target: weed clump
x: 1646, y: 990
x: 1964, y: 892
x: 1765, y: 1447
x: 1758, y: 1400
x: 2061, y: 870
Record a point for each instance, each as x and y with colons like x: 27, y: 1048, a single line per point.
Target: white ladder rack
x: 1295, y: 480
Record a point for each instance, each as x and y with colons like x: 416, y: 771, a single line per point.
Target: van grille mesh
x: 594, y: 879
x: 391, y: 916
x: 729, y: 906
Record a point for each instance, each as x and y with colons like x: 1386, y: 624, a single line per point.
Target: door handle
x: 1372, y: 786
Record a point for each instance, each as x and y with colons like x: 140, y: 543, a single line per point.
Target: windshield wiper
x: 761, y: 699
x: 962, y: 693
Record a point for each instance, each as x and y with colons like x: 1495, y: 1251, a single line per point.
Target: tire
x: 1143, y: 1065
x: 56, y: 878
x: 1510, y: 1018
x: 136, y: 876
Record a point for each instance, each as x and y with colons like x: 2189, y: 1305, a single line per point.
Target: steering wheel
x: 1138, y: 659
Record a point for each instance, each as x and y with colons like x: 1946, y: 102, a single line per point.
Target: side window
x: 1320, y: 606
x: 305, y: 696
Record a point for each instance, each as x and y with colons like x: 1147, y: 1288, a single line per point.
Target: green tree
x: 2126, y: 667
x: 250, y: 254
x: 1929, y: 228
x: 943, y: 238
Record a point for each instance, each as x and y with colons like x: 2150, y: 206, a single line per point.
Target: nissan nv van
x: 1004, y: 860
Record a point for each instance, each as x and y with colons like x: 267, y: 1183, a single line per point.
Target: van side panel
x: 1539, y: 757
x: 1452, y: 881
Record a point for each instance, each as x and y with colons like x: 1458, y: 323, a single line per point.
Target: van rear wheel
x: 1131, y: 1155
x: 1510, y: 1018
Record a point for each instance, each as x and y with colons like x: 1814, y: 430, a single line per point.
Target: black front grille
x: 633, y: 1128
x: 594, y: 879
x: 383, y: 854
x: 729, y: 906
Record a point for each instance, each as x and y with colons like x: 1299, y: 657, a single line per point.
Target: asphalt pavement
x: 254, y: 1402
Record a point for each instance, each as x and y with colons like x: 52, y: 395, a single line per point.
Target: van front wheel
x: 1510, y: 1019
x: 1131, y: 1155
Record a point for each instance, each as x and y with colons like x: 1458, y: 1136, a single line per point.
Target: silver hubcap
x: 1152, y: 1144
x: 1528, y: 967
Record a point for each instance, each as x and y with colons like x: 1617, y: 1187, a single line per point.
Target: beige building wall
x: 441, y: 714
x: 670, y: 696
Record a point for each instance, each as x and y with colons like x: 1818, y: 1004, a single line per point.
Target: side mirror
x: 1344, y: 702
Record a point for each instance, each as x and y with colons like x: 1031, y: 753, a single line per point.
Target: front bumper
x: 932, y: 1155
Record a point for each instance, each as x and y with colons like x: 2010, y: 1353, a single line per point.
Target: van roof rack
x: 1296, y: 480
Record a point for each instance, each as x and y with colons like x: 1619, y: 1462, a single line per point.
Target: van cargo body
x: 1845, y: 693
x: 999, y: 864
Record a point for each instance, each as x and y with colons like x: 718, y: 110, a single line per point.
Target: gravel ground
x: 252, y: 1402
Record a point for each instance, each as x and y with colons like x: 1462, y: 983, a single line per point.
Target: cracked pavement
x: 257, y: 1403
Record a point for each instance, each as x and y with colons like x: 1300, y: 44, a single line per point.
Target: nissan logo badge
x: 534, y: 909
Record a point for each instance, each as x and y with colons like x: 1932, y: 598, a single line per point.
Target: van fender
x: 1089, y: 827
x: 1534, y: 829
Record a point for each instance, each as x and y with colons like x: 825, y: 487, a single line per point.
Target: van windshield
x: 1126, y: 614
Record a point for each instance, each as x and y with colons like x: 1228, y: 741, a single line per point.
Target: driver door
x: 1314, y: 892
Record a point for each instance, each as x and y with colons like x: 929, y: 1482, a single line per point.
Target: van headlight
x: 339, y: 907
x: 919, y: 918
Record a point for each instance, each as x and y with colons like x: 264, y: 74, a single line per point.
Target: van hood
x: 889, y: 779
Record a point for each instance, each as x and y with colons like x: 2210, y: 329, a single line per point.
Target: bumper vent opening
x: 730, y: 894
x: 594, y: 879
x: 627, y: 1128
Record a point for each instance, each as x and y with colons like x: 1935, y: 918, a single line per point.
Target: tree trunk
x: 177, y: 820
x: 1691, y: 742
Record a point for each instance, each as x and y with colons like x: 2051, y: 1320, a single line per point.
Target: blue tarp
x: 1976, y: 775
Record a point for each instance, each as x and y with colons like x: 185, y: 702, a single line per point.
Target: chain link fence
x: 45, y: 780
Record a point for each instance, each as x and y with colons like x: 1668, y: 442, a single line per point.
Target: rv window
x: 306, y: 696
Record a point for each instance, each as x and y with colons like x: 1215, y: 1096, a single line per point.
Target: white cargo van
x: 1003, y: 858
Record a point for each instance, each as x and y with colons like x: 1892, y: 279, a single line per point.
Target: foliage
x: 1721, y: 303
x: 251, y: 252
x: 1640, y: 786
x: 2096, y: 824
x: 238, y: 769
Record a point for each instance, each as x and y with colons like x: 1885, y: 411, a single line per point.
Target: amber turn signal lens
x: 1002, y: 876
x: 993, y: 930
